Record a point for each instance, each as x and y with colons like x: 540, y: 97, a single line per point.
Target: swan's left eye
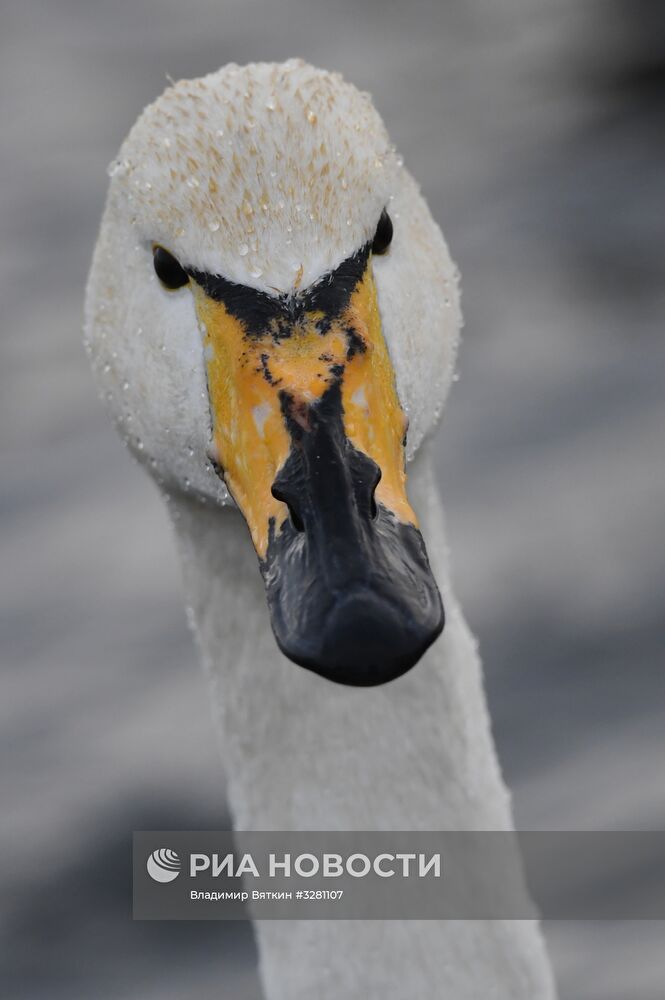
x: 168, y: 270
x: 383, y: 234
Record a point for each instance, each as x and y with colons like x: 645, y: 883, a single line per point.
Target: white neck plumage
x: 304, y: 754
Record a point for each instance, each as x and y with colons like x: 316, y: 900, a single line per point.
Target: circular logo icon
x: 163, y: 865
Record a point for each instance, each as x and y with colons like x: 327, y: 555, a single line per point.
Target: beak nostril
x: 296, y: 520
x: 373, y: 509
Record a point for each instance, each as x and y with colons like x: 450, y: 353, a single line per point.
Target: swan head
x: 272, y: 315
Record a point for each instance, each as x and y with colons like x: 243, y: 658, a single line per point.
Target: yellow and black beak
x: 309, y: 437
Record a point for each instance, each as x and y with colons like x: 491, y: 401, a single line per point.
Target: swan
x: 272, y: 317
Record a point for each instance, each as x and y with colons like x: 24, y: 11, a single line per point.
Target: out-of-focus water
x: 536, y: 129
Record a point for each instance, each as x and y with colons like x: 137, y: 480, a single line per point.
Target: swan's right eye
x: 168, y: 270
x: 383, y: 235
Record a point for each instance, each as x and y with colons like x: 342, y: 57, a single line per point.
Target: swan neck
x: 302, y: 753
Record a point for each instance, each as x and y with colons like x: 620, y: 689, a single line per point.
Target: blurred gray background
x: 536, y: 130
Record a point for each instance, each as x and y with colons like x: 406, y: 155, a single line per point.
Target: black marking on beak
x: 349, y: 587
x: 260, y: 312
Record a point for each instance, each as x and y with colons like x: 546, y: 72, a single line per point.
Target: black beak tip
x: 349, y: 587
x: 366, y: 643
